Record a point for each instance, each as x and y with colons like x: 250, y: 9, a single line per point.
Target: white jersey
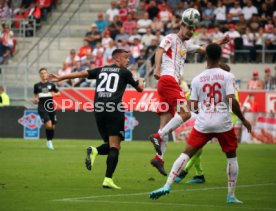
x: 175, y: 55
x: 210, y: 89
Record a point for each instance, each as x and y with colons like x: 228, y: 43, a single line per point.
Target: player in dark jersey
x: 43, y: 96
x: 111, y: 82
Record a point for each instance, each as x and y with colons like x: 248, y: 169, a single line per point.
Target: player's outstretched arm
x: 141, y: 85
x: 56, y: 78
x: 158, y: 60
x: 237, y: 110
x: 222, y: 41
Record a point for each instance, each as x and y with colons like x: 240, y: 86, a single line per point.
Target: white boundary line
x: 154, y: 203
x: 146, y: 193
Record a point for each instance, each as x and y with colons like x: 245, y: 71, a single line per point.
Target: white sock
x: 164, y: 144
x: 232, y: 173
x: 177, y: 167
x: 174, y: 123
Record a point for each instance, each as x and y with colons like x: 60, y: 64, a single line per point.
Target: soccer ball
x: 191, y: 17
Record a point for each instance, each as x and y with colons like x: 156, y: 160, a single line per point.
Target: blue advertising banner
x: 31, y: 122
x: 130, y: 124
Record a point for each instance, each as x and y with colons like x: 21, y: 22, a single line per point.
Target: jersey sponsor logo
x: 49, y: 86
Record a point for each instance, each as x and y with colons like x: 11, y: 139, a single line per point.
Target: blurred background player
x: 111, y: 82
x: 212, y: 87
x: 169, y: 60
x: 196, y: 159
x: 44, y: 91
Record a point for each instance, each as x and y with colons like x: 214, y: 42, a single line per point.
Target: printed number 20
x: 105, y: 84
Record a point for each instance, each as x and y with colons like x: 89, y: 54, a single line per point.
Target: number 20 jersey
x: 111, y: 82
x: 210, y: 89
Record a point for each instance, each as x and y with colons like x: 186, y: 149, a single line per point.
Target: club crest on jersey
x: 49, y: 86
x: 181, y: 52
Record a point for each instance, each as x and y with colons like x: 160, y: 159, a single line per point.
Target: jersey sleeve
x: 35, y: 89
x: 55, y: 88
x: 193, y: 92
x: 192, y: 47
x: 92, y: 73
x: 129, y: 79
x: 166, y: 43
x: 230, y: 84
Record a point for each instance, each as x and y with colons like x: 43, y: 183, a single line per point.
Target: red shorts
x: 169, y: 93
x: 227, y: 140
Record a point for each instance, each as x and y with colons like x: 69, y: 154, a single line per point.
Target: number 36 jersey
x: 111, y: 82
x: 210, y: 89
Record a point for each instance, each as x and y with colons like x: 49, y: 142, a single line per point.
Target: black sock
x: 103, y: 149
x: 50, y: 134
x: 111, y: 162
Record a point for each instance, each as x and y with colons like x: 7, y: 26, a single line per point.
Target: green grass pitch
x: 34, y: 178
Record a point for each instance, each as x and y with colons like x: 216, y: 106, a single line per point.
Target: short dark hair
x: 41, y: 69
x: 118, y: 51
x: 213, y: 52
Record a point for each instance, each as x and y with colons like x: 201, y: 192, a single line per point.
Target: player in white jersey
x: 169, y: 60
x: 212, y: 95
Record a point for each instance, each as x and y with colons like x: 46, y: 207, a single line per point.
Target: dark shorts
x: 47, y: 116
x: 110, y: 124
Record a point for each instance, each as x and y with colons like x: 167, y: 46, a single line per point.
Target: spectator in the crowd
x: 270, y: 43
x: 79, y: 82
x: 45, y: 7
x: 113, y: 10
x: 101, y: 22
x: 6, y: 40
x: 86, y: 48
x: 33, y: 15
x: 249, y: 10
x: 134, y: 34
x: 88, y: 61
x: 144, y: 23
x: 164, y: 14
x: 106, y: 39
x: 93, y: 36
x: 174, y: 4
x: 15, y: 6
x: 98, y: 48
x: 255, y: 83
x: 248, y: 44
x: 123, y: 12
x: 142, y: 63
x: 114, y: 29
x: 269, y: 80
x: 220, y: 13
x: 203, y: 39
x: 217, y: 34
x: 125, y: 45
x: 135, y: 50
x: 129, y: 24
x: 234, y: 13
x: 180, y: 8
x: 99, y: 59
x: 4, y: 98
x: 117, y: 21
x: 259, y: 42
x: 159, y: 36
x: 140, y: 10
x: 146, y: 38
x: 254, y: 23
x: 5, y: 11
x: 108, y: 52
x: 265, y: 12
x: 152, y: 10
x: 70, y: 60
x: 122, y: 35
x: 241, y: 25
x: 268, y: 27
x: 208, y: 15
x: 157, y: 25
x: 228, y: 48
x: 64, y: 71
x: 150, y: 50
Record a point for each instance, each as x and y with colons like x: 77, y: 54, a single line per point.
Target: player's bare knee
x: 49, y: 125
x: 185, y: 115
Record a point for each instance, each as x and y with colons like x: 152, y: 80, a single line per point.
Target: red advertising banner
x: 83, y: 98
